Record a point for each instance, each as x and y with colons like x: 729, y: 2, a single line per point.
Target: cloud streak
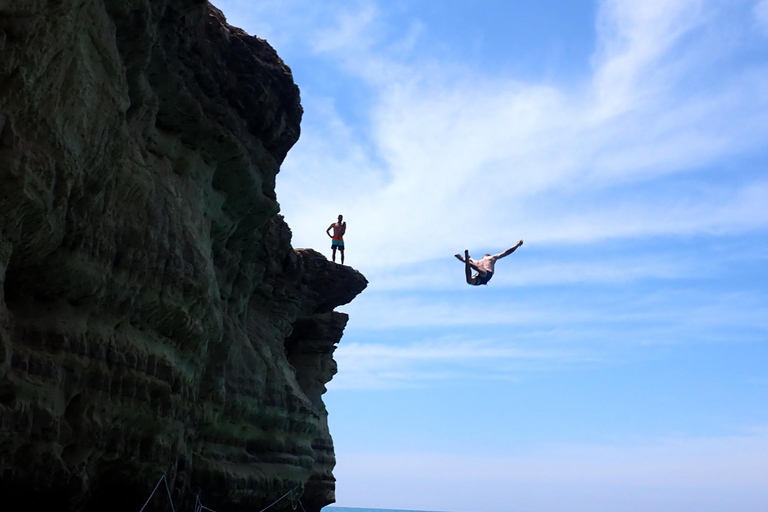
x: 434, y: 339
x: 568, y: 308
x: 386, y: 366
x: 761, y: 15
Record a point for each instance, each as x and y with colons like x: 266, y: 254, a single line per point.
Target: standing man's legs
x: 338, y: 244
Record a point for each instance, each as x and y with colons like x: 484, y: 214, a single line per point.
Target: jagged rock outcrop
x: 153, y: 315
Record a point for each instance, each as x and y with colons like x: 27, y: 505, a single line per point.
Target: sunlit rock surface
x: 153, y: 314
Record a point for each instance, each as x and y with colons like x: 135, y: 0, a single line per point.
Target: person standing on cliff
x: 339, y: 228
x: 484, y: 266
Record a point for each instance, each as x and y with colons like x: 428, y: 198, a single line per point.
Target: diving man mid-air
x: 483, y: 266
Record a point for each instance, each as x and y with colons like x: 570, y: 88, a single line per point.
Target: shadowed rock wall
x: 153, y: 314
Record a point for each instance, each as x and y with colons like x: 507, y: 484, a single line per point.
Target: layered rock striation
x: 153, y: 314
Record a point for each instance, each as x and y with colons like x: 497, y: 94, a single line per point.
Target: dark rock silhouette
x: 153, y: 315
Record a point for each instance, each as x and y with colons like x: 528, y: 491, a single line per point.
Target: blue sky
x: 617, y: 361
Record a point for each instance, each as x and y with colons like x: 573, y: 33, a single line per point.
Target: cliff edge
x: 153, y: 314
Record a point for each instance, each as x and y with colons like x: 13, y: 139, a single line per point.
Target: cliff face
x: 153, y: 314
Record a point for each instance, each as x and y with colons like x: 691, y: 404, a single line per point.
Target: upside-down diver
x: 484, y: 266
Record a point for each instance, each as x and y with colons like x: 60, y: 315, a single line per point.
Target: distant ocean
x: 350, y: 509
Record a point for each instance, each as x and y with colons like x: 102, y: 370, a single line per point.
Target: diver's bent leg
x: 468, y: 268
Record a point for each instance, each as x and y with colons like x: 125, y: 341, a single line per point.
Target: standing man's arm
x: 328, y: 231
x: 343, y: 228
x: 508, y: 251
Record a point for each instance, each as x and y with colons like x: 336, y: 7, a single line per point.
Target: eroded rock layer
x: 153, y: 314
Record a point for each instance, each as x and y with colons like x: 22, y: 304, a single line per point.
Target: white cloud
x: 351, y: 30
x: 448, y: 274
x: 633, y: 38
x: 452, y: 157
x: 380, y: 366
x: 510, y: 336
x: 658, y: 308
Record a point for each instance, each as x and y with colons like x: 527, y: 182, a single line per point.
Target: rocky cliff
x: 153, y: 314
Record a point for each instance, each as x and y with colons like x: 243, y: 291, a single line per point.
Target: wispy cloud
x: 633, y: 39
x: 351, y: 30
x: 447, y: 274
x: 387, y: 366
x: 447, y: 154
x: 662, y: 307
x: 761, y: 15
x: 436, y: 338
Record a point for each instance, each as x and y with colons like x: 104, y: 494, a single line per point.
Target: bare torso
x: 338, y: 230
x: 486, y: 263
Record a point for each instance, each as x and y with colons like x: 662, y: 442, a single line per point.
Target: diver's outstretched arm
x: 508, y: 251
